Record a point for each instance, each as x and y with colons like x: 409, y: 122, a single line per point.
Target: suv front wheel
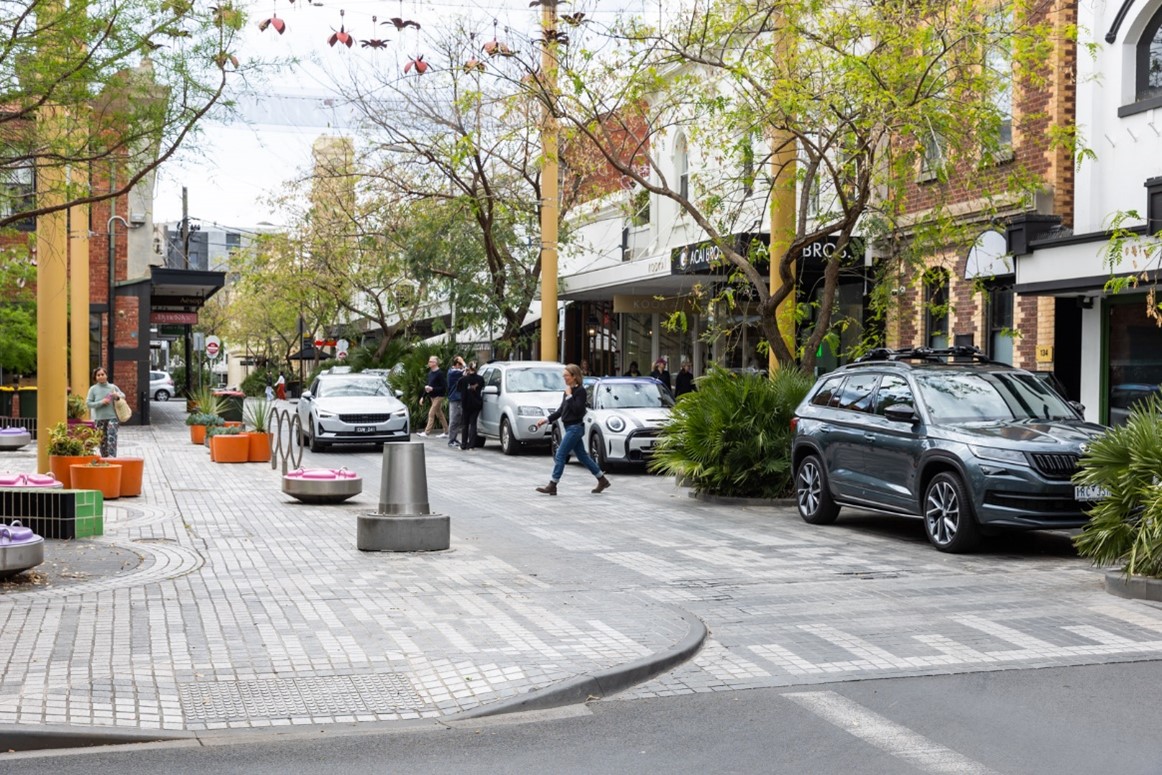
x: 815, y: 504
x: 948, y: 517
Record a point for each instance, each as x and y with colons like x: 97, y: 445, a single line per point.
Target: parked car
x: 624, y: 419
x: 160, y: 385
x: 516, y: 394
x: 947, y: 435
x: 345, y: 408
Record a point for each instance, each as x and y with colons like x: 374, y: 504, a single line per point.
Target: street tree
x: 17, y: 314
x: 127, y: 82
x: 818, y: 115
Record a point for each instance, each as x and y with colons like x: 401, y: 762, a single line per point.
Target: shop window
x: 1135, y: 358
x: 1000, y: 321
x: 936, y: 308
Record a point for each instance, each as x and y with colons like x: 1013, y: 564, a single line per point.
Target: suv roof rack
x: 957, y: 354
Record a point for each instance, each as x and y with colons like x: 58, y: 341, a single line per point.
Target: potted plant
x: 98, y: 475
x: 229, y: 444
x: 256, y: 413
x: 1120, y: 471
x: 77, y: 410
x: 198, y: 422
x: 203, y: 400
x: 70, y: 444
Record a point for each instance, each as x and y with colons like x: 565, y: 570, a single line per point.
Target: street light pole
x: 549, y: 194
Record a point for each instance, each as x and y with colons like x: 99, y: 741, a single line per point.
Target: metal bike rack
x: 287, y: 434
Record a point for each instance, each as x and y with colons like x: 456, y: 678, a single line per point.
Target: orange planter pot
x: 107, y: 479
x: 132, y: 470
x: 61, y: 466
x: 259, y: 447
x: 230, y: 449
x: 198, y: 434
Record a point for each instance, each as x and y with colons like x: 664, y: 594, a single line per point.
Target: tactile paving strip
x: 342, y: 695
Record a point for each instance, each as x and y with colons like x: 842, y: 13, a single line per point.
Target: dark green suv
x: 947, y: 435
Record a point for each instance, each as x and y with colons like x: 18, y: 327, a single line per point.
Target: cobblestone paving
x: 251, y: 610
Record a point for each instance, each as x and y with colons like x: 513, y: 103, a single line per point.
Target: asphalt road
x: 1094, y: 719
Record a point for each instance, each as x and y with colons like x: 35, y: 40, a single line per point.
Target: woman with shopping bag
x: 102, y: 400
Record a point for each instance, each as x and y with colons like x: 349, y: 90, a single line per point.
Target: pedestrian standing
x: 269, y: 392
x: 662, y: 374
x: 435, y: 390
x: 280, y: 388
x: 472, y: 401
x: 571, y: 413
x: 101, y: 401
x: 455, y: 406
x: 684, y: 383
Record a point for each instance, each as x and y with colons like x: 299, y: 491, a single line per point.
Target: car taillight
x: 794, y: 424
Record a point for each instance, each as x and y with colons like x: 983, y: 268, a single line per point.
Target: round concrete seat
x: 14, y: 438
x: 20, y: 549
x: 322, y: 485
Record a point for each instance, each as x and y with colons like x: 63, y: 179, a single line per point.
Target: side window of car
x: 857, y: 392
x: 828, y: 392
x: 893, y: 390
x: 492, y: 377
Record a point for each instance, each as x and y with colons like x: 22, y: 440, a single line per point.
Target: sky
x: 236, y: 168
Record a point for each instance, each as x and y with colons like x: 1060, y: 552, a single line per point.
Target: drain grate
x: 341, y: 695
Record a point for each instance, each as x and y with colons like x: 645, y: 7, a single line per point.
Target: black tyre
x: 161, y: 395
x: 316, y: 445
x: 597, y: 449
x: 812, y: 494
x: 508, y: 444
x: 555, y: 441
x: 949, y: 521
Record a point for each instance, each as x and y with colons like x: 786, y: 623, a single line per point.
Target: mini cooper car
x: 346, y: 408
x: 625, y: 417
x: 967, y: 444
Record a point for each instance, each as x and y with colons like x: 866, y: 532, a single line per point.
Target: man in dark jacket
x: 434, y: 391
x: 470, y: 386
x: 455, y: 413
x: 662, y: 374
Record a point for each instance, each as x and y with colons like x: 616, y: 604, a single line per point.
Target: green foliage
x: 256, y: 381
x: 206, y: 402
x: 256, y: 413
x: 74, y: 440
x: 1126, y: 527
x: 411, y: 380
x: 76, y: 408
x: 204, y: 418
x: 223, y: 430
x: 18, y: 313
x: 733, y: 435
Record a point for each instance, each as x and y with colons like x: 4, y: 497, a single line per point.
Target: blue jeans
x: 572, y: 442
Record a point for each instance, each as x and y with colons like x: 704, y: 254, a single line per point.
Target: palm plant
x: 1125, y: 526
x: 206, y: 402
x: 733, y: 435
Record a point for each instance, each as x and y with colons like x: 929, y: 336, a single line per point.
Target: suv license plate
x: 365, y: 429
x: 1090, y: 492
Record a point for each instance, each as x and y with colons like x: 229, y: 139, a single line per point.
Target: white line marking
x: 888, y: 736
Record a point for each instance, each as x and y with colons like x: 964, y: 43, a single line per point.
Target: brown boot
x: 602, y: 484
x: 548, y: 489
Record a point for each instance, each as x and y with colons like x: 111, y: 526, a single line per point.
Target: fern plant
x: 732, y: 436
x: 1125, y: 526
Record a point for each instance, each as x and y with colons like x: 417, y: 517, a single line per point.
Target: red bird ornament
x: 418, y: 64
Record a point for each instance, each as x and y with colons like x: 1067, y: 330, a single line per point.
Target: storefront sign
x: 173, y: 317
x: 706, y: 257
x: 823, y: 250
x: 644, y: 305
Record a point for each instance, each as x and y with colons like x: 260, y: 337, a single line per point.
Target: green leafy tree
x: 836, y: 108
x: 126, y: 83
x: 18, y: 313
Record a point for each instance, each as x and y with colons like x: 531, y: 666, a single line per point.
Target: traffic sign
x: 213, y: 347
x: 341, y: 349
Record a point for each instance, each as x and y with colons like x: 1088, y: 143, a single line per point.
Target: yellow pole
x: 79, y: 295
x: 782, y: 235
x: 51, y: 291
x: 549, y: 194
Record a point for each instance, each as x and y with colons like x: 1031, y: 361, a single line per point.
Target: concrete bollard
x: 404, y: 522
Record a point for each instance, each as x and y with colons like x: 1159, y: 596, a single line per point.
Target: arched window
x: 1149, y: 64
x: 682, y: 164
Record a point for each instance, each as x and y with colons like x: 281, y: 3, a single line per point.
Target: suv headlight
x: 530, y: 411
x: 1010, y: 456
x: 615, y: 423
x: 323, y: 414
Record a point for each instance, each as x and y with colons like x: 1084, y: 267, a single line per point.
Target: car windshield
x: 633, y: 395
x: 956, y: 397
x: 538, y: 380
x: 352, y: 387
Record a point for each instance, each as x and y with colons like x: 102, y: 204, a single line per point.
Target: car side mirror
x: 1080, y: 407
x: 901, y: 413
x: 397, y: 393
x: 490, y: 390
x: 306, y: 396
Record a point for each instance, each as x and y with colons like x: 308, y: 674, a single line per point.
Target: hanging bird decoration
x: 495, y: 47
x: 473, y: 64
x: 342, y: 36
x: 555, y: 36
x: 374, y: 42
x: 418, y: 64
x: 573, y: 18
x: 400, y: 22
x: 278, y: 24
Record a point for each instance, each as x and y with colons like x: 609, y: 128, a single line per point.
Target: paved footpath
x: 250, y: 610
